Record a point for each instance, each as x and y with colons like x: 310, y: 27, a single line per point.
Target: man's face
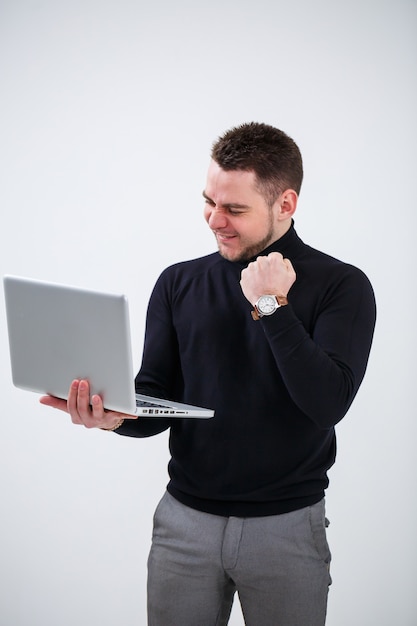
x: 238, y: 214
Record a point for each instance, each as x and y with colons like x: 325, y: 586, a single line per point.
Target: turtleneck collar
x: 288, y: 245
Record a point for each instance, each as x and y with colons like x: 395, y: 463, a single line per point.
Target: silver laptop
x: 58, y: 333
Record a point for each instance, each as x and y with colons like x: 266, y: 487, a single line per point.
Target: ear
x: 287, y: 204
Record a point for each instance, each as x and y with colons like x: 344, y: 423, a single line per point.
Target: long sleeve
x: 160, y: 370
x: 322, y: 371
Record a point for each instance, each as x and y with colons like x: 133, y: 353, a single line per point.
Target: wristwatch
x: 267, y: 305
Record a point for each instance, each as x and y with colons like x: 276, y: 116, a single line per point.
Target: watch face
x: 267, y: 304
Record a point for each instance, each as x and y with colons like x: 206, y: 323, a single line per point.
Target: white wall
x: 108, y: 112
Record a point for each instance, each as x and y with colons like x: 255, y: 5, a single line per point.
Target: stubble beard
x: 250, y: 251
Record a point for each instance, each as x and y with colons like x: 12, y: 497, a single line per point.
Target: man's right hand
x: 82, y: 412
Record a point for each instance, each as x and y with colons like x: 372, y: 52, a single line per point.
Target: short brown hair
x: 267, y: 151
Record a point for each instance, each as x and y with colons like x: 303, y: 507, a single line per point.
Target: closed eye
x: 208, y: 200
x: 233, y: 208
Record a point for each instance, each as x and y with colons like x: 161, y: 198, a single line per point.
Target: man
x: 275, y: 336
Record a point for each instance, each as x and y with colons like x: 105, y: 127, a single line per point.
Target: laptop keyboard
x: 142, y: 403
x: 152, y: 408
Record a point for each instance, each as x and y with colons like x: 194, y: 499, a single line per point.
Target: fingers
x: 288, y: 266
x: 75, y: 405
x: 274, y: 261
x: 83, y: 411
x: 55, y: 403
x: 270, y: 266
x: 91, y: 415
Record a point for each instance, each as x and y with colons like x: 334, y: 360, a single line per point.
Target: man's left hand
x: 270, y: 274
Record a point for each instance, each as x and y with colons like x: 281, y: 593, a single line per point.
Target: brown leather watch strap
x: 282, y: 301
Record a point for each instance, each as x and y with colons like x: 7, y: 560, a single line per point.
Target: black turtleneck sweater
x: 278, y: 385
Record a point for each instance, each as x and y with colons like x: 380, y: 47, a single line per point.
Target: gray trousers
x: 279, y: 566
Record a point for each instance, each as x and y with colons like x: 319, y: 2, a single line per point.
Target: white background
x: 108, y: 112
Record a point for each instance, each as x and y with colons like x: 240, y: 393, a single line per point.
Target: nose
x: 216, y: 219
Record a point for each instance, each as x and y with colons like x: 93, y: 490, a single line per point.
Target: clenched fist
x: 270, y: 274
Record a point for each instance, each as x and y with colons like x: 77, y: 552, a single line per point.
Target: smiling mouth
x: 224, y: 237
